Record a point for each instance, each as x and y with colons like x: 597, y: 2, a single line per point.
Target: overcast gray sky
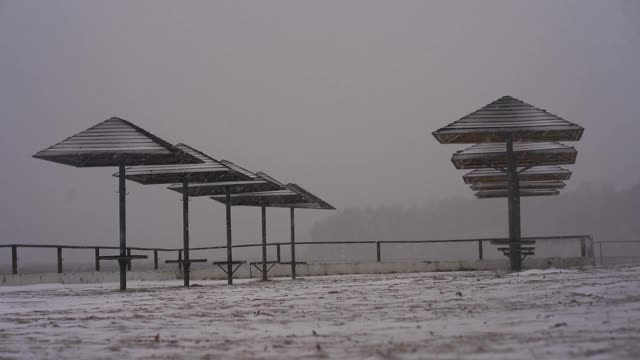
x: 340, y: 97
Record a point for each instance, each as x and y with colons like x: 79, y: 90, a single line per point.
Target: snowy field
x: 538, y: 314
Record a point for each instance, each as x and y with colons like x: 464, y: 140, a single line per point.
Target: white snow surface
x: 583, y: 314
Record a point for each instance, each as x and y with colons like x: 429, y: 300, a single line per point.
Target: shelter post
x: 97, y: 257
x: 155, y: 259
x: 185, y: 230
x: 480, y: 250
x: 278, y: 252
x: 229, y: 250
x: 264, y: 243
x: 59, y: 260
x: 14, y: 259
x: 293, y: 243
x: 378, y: 252
x: 122, y: 262
x: 128, y: 259
x: 514, y: 207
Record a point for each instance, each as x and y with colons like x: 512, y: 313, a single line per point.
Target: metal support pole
x: 480, y: 255
x: 293, y: 243
x: 123, y: 228
x: 264, y: 243
x: 129, y: 262
x: 59, y: 260
x: 278, y: 252
x: 97, y: 256
x: 155, y: 259
x: 514, y: 208
x: 583, y: 247
x: 229, y: 249
x: 14, y: 259
x: 179, y: 259
x: 378, y: 252
x: 185, y: 231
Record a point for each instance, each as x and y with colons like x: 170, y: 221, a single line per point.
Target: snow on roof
x: 508, y: 116
x: 114, y: 142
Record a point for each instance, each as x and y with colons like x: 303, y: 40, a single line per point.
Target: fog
x: 339, y: 97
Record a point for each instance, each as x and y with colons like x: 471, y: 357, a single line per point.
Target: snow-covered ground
x: 538, y: 314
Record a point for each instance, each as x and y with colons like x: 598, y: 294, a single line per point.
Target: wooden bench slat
x: 507, y: 242
x: 227, y: 262
x: 185, y: 261
x: 522, y: 248
x: 118, y: 257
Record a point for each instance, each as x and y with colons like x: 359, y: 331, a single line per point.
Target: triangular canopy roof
x: 505, y: 116
x: 494, y: 155
x: 210, y: 170
x: 114, y: 142
x: 492, y: 194
x: 321, y: 204
x: 258, y: 182
x: 293, y: 196
x: 524, y: 185
x: 537, y: 173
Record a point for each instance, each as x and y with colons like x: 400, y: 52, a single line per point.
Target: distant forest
x: 600, y: 211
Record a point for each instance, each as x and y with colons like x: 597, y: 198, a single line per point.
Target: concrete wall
x: 311, y: 269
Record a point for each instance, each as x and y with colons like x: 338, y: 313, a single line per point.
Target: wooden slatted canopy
x: 492, y: 194
x: 524, y: 185
x: 209, y: 170
x: 261, y: 198
x: 508, y: 116
x: 293, y: 196
x: 115, y: 142
x: 259, y: 182
x: 494, y: 155
x: 311, y: 201
x: 538, y: 173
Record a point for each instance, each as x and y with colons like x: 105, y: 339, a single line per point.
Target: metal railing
x: 631, y: 256
x: 585, y: 248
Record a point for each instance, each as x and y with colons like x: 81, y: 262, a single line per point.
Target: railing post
x: 14, y: 259
x: 180, y: 259
x: 59, y: 260
x: 583, y: 248
x: 480, y: 254
x: 97, y: 259
x: 590, y: 250
x: 278, y: 252
x: 155, y: 259
x: 129, y: 262
x: 600, y: 246
x: 378, y: 254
